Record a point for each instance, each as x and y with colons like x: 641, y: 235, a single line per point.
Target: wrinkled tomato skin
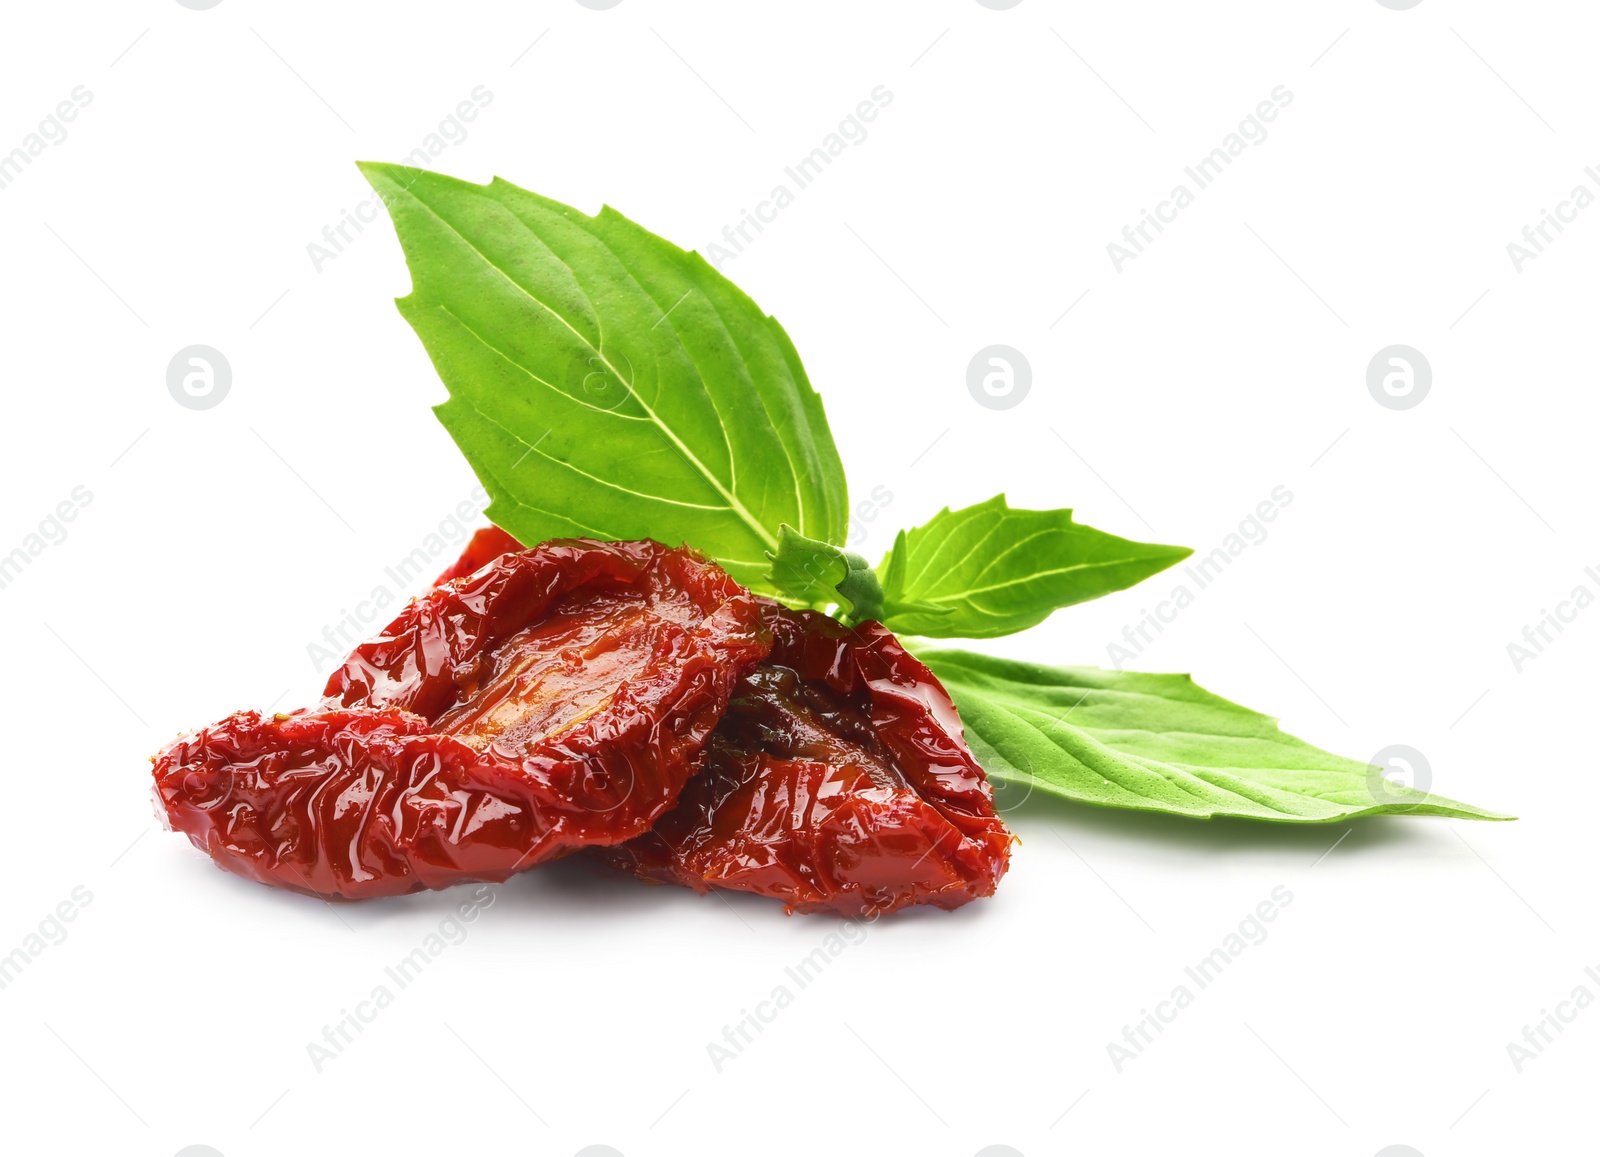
x: 604, y: 668
x: 487, y: 544
x: 348, y: 803
x: 442, y: 639
x: 838, y: 781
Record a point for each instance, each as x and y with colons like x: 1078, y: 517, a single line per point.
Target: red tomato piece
x: 556, y: 698
x: 487, y: 544
x: 837, y: 781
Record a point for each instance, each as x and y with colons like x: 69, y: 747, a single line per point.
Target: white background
x: 1228, y: 359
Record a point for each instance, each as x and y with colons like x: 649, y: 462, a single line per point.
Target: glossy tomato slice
x: 486, y: 544
x: 555, y: 698
x: 837, y: 781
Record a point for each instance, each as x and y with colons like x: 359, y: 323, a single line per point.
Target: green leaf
x: 811, y: 572
x: 989, y: 570
x: 604, y: 382
x: 1158, y: 743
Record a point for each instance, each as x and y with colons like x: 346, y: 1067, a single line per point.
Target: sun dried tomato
x: 837, y: 781
x: 555, y: 698
x: 487, y: 544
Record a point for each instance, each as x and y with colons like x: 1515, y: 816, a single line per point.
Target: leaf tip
x: 376, y: 171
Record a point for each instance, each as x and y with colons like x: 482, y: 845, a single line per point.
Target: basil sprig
x: 605, y: 383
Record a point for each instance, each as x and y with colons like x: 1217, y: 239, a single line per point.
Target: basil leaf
x: 1158, y: 743
x: 604, y: 382
x: 989, y: 570
x: 811, y: 572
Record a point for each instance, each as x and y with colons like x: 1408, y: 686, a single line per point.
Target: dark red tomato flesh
x: 552, y: 699
x: 487, y: 544
x: 837, y: 781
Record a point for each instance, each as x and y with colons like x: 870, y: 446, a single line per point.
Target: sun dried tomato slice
x: 487, y: 544
x: 555, y: 698
x: 837, y: 781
